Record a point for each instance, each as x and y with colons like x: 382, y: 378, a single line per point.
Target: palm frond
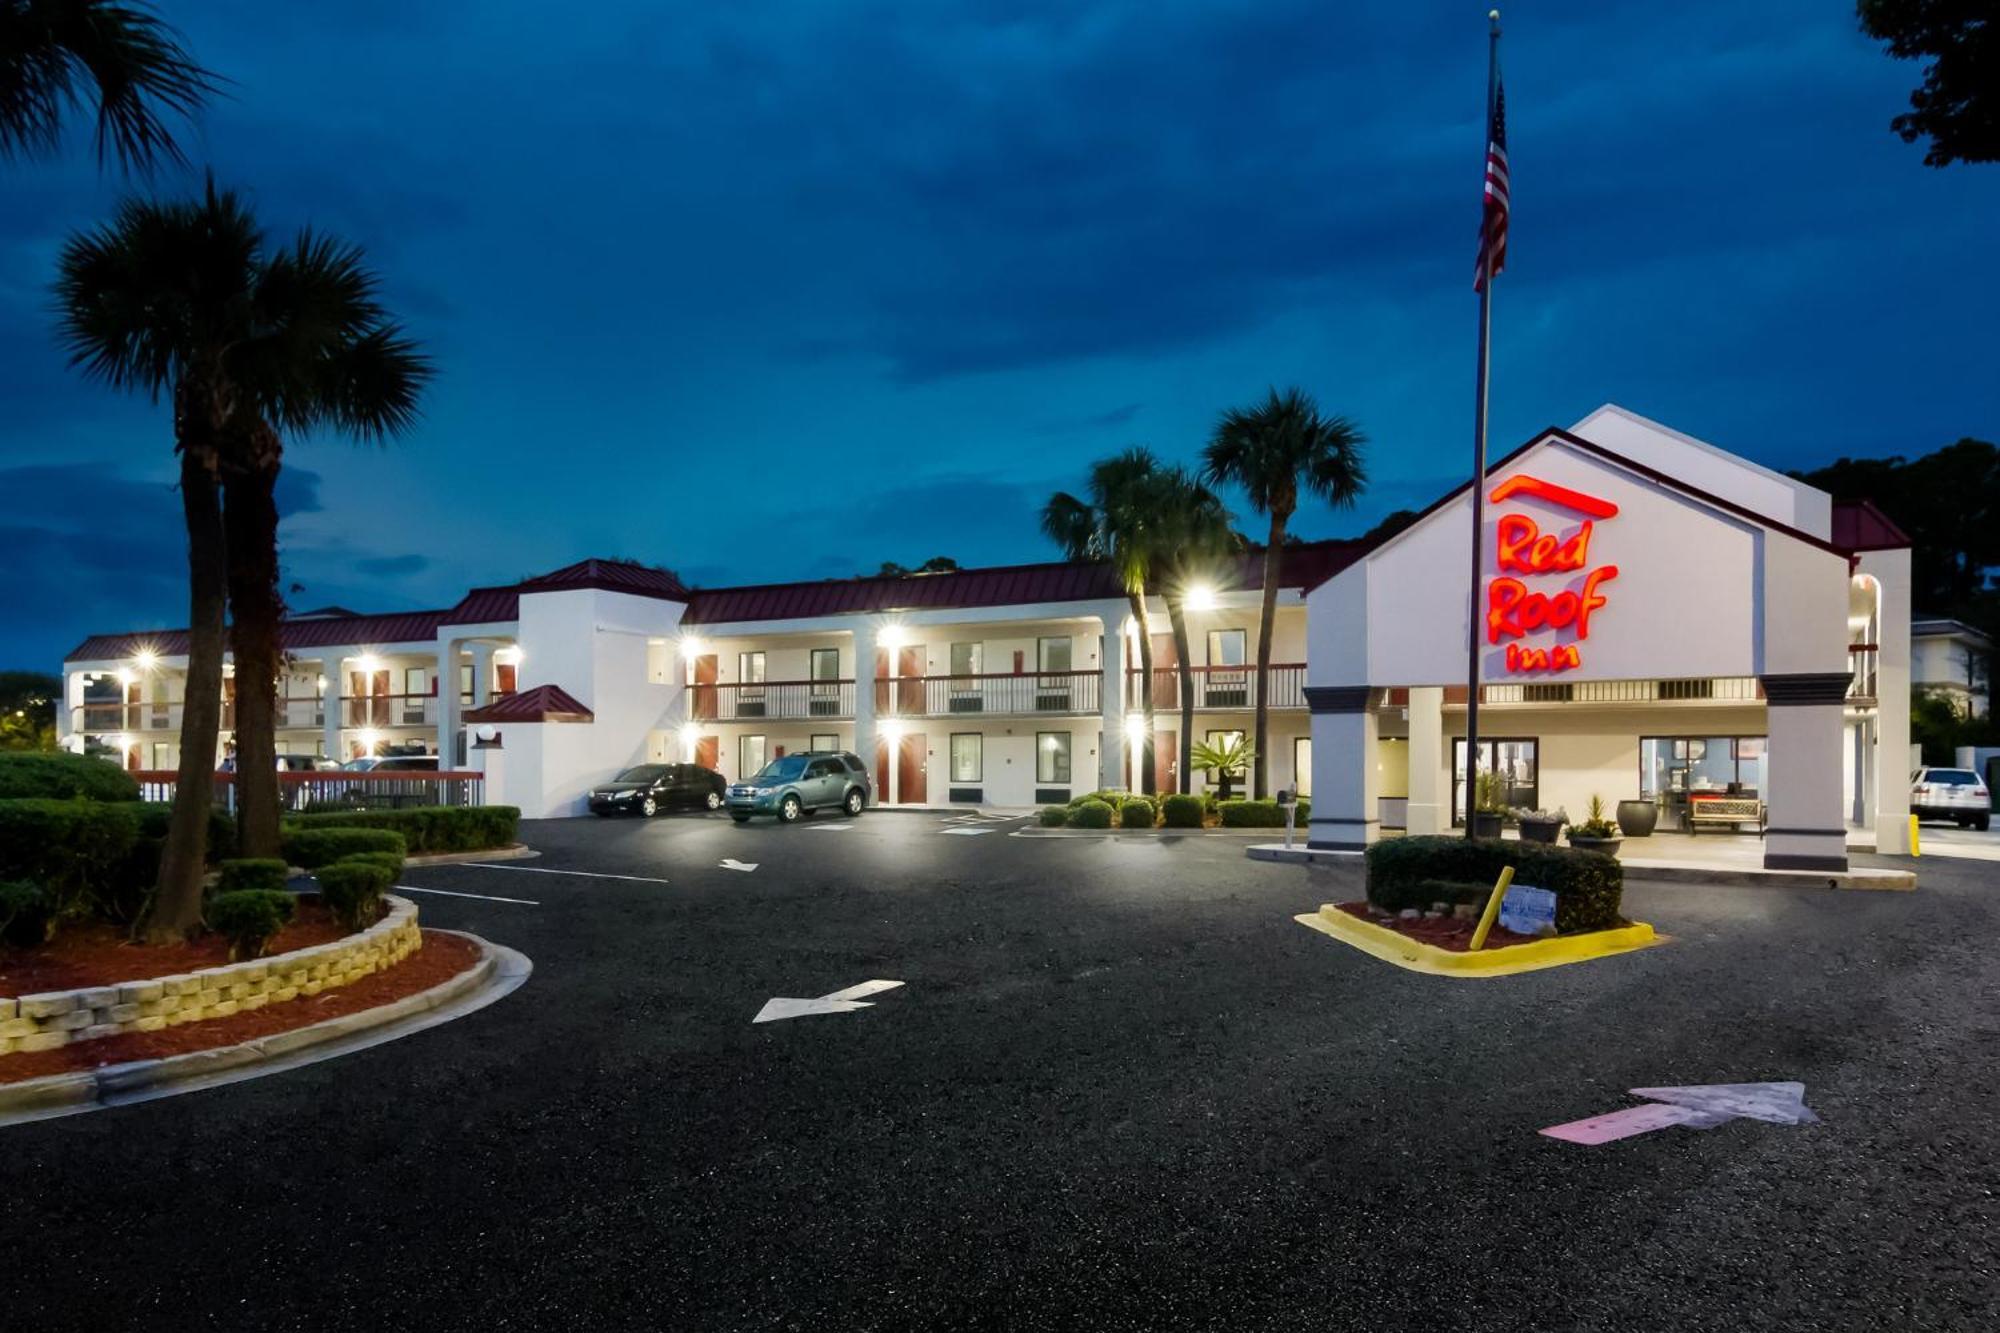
x: 52, y: 52
x: 1284, y: 445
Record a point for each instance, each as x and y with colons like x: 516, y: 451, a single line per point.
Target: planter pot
x: 1608, y: 846
x: 1485, y: 825
x: 1541, y: 830
x: 1637, y: 819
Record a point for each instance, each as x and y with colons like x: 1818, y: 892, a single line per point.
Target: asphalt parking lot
x: 1120, y: 1088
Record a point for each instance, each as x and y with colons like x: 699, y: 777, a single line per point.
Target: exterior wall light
x: 1201, y: 597
x: 145, y: 659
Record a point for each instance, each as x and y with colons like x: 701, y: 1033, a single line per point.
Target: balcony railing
x: 1220, y: 689
x: 1041, y: 694
x: 305, y: 712
x: 335, y: 790
x: 1863, y: 657
x: 732, y: 701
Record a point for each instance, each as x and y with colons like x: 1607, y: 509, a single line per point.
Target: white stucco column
x: 1111, y: 700
x: 1430, y: 788
x: 1344, y: 808
x: 1806, y: 826
x: 448, y: 710
x: 864, y: 699
x: 482, y: 675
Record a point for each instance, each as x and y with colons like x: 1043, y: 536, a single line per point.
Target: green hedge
x: 59, y: 776
x: 249, y: 917
x: 428, y: 828
x: 1090, y: 814
x: 1260, y: 814
x: 79, y: 852
x: 316, y: 847
x: 352, y: 889
x: 1408, y: 872
x: 1136, y: 813
x: 1182, y: 812
x: 1054, y: 816
x: 253, y: 873
x: 25, y: 916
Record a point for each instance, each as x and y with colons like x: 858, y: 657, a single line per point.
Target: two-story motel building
x: 1657, y: 619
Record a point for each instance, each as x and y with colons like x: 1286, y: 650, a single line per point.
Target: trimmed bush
x: 1181, y: 812
x: 254, y: 873
x: 25, y: 915
x: 1408, y: 872
x: 55, y: 775
x: 1136, y: 813
x: 1090, y: 813
x: 427, y: 829
x: 352, y: 890
x: 1054, y: 816
x: 250, y: 918
x: 387, y: 860
x: 316, y: 847
x: 78, y: 852
x: 1260, y: 814
x: 1109, y: 797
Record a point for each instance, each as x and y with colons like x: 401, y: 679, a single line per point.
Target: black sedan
x: 651, y: 788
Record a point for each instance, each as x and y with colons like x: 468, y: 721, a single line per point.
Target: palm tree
x: 181, y: 298
x: 1275, y: 451
x: 1196, y: 537
x: 1117, y: 524
x: 321, y: 354
x: 52, y: 50
x: 1224, y: 759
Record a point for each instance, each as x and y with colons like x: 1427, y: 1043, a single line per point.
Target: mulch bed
x: 1445, y: 932
x: 101, y: 954
x: 443, y: 957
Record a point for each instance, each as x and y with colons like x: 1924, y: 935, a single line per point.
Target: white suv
x: 1956, y: 794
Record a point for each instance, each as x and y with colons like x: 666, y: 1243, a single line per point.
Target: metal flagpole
x: 1479, y: 448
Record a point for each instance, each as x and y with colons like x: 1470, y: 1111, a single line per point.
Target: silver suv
x: 795, y: 785
x: 1951, y: 793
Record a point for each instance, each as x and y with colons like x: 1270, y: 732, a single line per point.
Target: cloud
x: 393, y: 566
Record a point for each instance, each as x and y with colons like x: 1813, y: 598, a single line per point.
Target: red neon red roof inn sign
x: 1559, y: 616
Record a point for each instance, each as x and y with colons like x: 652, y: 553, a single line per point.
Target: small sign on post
x: 1526, y: 910
x: 1288, y: 801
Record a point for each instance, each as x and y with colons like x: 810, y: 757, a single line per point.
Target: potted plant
x: 1595, y: 834
x: 1540, y: 825
x: 1637, y: 819
x: 1489, y: 805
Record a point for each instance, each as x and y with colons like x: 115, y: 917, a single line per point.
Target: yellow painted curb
x: 1393, y: 947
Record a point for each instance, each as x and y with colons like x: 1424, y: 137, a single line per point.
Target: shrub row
x: 428, y: 828
x: 90, y: 858
x: 1409, y: 872
x: 60, y: 776
x: 1260, y: 814
x: 1136, y: 813
x: 1090, y: 813
x: 312, y: 848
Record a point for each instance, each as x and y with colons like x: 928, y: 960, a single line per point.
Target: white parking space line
x: 830, y: 828
x: 966, y: 832
x: 545, y: 870
x: 483, y: 897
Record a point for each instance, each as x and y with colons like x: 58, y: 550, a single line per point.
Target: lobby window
x: 1518, y: 761
x: 1302, y: 765
x: 1052, y: 757
x: 752, y: 754
x: 966, y: 756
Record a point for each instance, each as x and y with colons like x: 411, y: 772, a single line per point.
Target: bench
x: 1733, y: 811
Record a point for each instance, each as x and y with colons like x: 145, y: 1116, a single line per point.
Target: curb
x: 1299, y: 854
x: 514, y: 851
x: 1862, y: 878
x: 498, y: 971
x: 1140, y: 833
x: 1392, y: 947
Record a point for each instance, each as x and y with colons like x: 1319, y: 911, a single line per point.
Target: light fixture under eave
x: 145, y: 659
x: 1201, y: 597
x: 692, y: 646
x: 892, y: 635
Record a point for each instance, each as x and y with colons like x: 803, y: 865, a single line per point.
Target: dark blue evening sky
x: 788, y: 289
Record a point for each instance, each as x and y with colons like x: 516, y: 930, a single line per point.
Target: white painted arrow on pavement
x: 1696, y: 1106
x: 839, y: 1002
x: 731, y: 863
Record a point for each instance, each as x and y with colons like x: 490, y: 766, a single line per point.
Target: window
x: 968, y: 659
x: 1673, y: 767
x: 1052, y: 757
x: 465, y: 681
x: 1225, y: 648
x: 827, y: 741
x: 1217, y: 739
x: 750, y: 674
x: 1053, y: 654
x: 824, y: 668
x: 416, y: 684
x: 752, y: 753
x: 1302, y: 766
x: 1516, y: 759
x: 1225, y: 684
x: 966, y: 756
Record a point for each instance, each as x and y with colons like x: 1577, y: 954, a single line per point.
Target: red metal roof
x: 486, y: 606
x: 319, y: 631
x: 1005, y: 585
x: 543, y: 703
x: 612, y: 576
x: 1859, y: 526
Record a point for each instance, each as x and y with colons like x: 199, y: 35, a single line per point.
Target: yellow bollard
x: 1492, y: 911
x: 1916, y: 848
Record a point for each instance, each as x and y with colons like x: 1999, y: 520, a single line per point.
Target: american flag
x: 1493, y: 226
